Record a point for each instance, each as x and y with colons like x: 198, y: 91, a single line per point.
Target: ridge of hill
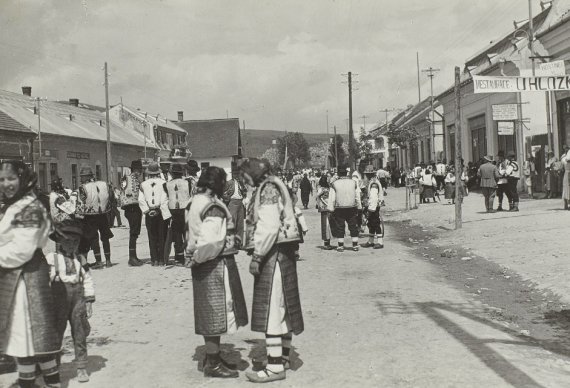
x: 256, y: 141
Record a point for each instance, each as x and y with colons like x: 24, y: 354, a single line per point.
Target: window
x: 98, y: 172
x: 478, y: 130
x: 451, y: 131
x: 42, y: 176
x: 169, y: 139
x: 53, y: 171
x: 74, y: 176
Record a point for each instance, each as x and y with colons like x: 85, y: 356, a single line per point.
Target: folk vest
x: 130, y: 190
x: 153, y: 191
x: 288, y: 231
x: 195, y: 215
x: 346, y: 191
x: 58, y: 215
x: 94, y: 198
x: 179, y: 193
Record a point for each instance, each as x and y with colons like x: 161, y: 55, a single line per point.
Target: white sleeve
x: 142, y: 203
x: 88, y: 286
x: 332, y: 200
x: 373, y: 199
x: 267, y: 228
x: 165, y: 211
x: 211, y: 241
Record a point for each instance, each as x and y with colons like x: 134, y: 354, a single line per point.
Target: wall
x: 225, y: 162
x: 13, y: 144
x: 66, y: 151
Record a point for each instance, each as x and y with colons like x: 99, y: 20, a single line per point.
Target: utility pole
x: 107, y: 124
x: 364, y: 117
x: 327, y: 158
x: 531, y: 35
x: 458, y: 166
x: 351, y: 159
x: 335, y: 150
x: 431, y: 73
x: 39, y: 102
x: 418, y: 67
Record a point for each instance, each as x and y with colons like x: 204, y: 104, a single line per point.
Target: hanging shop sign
x: 505, y: 128
x: 503, y: 112
x: 554, y: 68
x: 485, y: 84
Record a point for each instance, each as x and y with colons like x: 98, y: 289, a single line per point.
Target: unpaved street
x: 376, y: 318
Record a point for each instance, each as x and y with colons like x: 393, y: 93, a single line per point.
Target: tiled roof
x: 156, y: 120
x: 212, y: 138
x: 55, y: 120
x: 7, y: 123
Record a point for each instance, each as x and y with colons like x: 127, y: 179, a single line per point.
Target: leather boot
x: 215, y: 368
x: 515, y: 207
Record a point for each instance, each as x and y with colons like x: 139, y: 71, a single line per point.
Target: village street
x: 397, y: 317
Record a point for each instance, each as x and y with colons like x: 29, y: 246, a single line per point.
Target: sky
x: 273, y: 64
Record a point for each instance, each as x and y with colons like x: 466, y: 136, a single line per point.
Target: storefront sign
x: 77, y: 155
x: 484, y: 84
x: 554, y: 68
x: 502, y: 112
x: 506, y: 128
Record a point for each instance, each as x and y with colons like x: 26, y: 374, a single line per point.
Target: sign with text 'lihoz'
x: 485, y: 84
x: 505, y: 112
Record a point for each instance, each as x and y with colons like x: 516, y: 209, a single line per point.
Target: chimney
x: 27, y: 91
x: 74, y: 101
x: 180, y: 115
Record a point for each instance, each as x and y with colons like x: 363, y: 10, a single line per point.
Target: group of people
x: 41, y: 292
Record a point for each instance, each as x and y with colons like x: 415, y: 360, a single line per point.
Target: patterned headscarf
x: 28, y: 180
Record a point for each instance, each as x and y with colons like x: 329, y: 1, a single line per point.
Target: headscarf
x: 257, y: 169
x: 28, y: 180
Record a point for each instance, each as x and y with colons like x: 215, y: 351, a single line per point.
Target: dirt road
x: 376, y: 318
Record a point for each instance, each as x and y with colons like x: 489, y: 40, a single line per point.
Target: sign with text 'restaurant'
x: 484, y: 84
x: 505, y: 112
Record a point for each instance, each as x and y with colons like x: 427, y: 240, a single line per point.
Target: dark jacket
x: 489, y: 175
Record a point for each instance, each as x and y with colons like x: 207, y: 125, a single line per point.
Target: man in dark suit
x: 489, y: 175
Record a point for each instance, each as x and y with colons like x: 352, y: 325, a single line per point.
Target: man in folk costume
x: 193, y: 169
x: 344, y: 203
x: 129, y: 200
x: 153, y: 201
x: 179, y: 192
x: 93, y: 204
x: 272, y: 236
x: 502, y: 183
x: 489, y: 175
x: 234, y: 194
x: 375, y: 201
x: 219, y: 303
x: 513, y: 174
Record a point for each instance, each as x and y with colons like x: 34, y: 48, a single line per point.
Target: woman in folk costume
x: 27, y: 314
x: 62, y: 202
x: 375, y: 201
x: 322, y: 201
x: 272, y: 237
x: 306, y: 191
x: 219, y: 304
x: 450, y: 186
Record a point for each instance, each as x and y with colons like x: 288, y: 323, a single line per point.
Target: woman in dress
x: 551, y: 175
x: 306, y: 191
x: 565, y: 159
x: 322, y: 201
x: 27, y: 312
x: 450, y: 186
x: 219, y: 304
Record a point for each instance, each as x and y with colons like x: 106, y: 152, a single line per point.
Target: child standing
x: 73, y: 292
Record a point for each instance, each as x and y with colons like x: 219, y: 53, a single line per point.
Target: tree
x: 319, y: 154
x: 341, y: 151
x: 403, y: 136
x: 364, y: 145
x: 272, y: 155
x: 297, y: 149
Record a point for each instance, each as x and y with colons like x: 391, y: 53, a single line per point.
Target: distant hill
x: 256, y: 141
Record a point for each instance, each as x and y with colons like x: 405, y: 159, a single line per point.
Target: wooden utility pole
x: 328, y: 139
x: 335, y: 150
x: 351, y: 160
x: 431, y: 73
x: 418, y: 65
x: 39, y: 101
x: 458, y: 167
x: 107, y: 124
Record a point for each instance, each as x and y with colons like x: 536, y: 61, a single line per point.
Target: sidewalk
x: 535, y: 242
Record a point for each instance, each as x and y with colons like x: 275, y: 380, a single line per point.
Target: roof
x: 212, y: 138
x: 66, y: 120
x: 155, y: 120
x: 559, y: 14
x: 7, y: 123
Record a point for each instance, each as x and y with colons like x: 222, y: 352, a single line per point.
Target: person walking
x: 27, y: 312
x: 551, y: 175
x: 322, y: 203
x: 502, y: 183
x: 306, y: 191
x: 373, y: 217
x: 94, y: 204
x: 565, y: 159
x: 440, y: 172
x: 344, y: 203
x: 272, y: 237
x: 513, y: 174
x: 529, y: 171
x: 219, y: 303
x: 488, y: 174
x: 179, y: 192
x: 129, y: 200
x: 153, y: 202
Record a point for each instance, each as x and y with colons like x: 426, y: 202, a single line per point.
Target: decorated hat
x: 369, y: 169
x: 177, y: 168
x: 153, y: 169
x: 86, y: 171
x: 136, y: 165
x: 488, y: 158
